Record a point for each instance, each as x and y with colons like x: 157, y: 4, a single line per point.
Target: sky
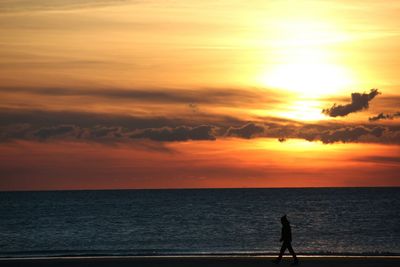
x: 120, y: 94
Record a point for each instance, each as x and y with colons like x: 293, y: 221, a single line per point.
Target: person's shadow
x: 286, y: 238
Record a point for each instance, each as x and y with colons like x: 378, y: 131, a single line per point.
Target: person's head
x: 284, y: 219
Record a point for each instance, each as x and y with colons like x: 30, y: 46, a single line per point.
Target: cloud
x: 48, y: 118
x: 101, y: 131
x: 181, y: 133
x: 60, y: 130
x: 382, y: 116
x: 327, y: 134
x: 349, y: 134
x: 358, y: 102
x: 41, y: 125
x: 246, y: 131
x: 41, y: 118
x: 190, y: 97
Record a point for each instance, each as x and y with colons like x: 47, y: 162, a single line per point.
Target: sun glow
x: 296, y: 109
x: 308, y: 66
x: 304, y: 110
x: 306, y: 61
x: 308, y: 79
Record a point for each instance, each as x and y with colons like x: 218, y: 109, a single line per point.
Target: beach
x: 202, y: 261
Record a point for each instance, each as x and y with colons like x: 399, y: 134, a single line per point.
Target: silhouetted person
x: 286, y: 238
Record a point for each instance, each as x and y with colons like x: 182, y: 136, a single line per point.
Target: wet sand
x: 202, y: 261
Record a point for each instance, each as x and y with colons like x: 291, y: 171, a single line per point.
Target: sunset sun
x: 307, y: 60
x: 307, y: 79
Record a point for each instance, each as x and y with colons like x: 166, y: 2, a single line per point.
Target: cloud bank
x: 88, y: 127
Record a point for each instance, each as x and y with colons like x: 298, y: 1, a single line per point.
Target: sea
x: 343, y: 221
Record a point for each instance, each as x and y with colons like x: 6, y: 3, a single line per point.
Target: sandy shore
x: 197, y: 261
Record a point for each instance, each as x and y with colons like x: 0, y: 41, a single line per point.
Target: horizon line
x: 196, y: 188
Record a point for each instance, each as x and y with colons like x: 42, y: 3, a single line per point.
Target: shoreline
x: 201, y: 261
x: 189, y: 255
x: 205, y: 255
x: 195, y: 256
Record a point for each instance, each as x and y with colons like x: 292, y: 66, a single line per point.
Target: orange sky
x: 221, y: 163
x: 197, y: 94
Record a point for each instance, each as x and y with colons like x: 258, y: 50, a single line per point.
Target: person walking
x: 286, y: 239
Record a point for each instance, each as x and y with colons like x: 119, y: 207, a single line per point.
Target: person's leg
x: 289, y: 246
x: 283, y: 248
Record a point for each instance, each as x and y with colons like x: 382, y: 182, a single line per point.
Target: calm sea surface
x: 131, y: 222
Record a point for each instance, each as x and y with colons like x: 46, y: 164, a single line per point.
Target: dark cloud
x: 60, y: 130
x: 181, y: 133
x: 14, y: 131
x: 102, y: 132
x: 277, y: 130
x: 46, y: 118
x: 382, y: 116
x: 327, y: 134
x: 108, y: 128
x: 247, y: 131
x: 42, y: 118
x: 349, y: 134
x: 358, y: 102
x: 191, y: 97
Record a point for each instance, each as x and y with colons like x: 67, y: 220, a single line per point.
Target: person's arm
x: 280, y: 240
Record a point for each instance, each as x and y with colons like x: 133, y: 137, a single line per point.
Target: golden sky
x: 201, y: 89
